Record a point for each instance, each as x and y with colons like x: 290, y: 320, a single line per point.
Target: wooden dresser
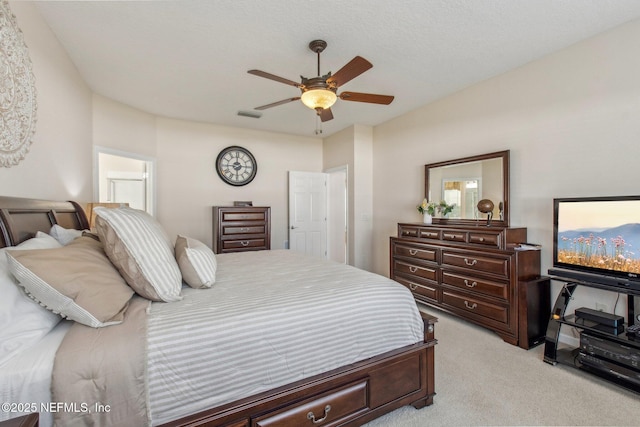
x: 238, y: 229
x: 475, y: 273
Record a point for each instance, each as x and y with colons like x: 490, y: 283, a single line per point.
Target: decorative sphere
x: 485, y: 206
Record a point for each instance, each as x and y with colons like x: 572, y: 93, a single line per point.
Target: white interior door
x: 308, y: 212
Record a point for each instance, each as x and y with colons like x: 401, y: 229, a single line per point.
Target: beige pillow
x: 77, y: 281
x: 140, y: 249
x: 197, y: 262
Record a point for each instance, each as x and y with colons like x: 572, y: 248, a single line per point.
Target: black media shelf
x: 613, y: 345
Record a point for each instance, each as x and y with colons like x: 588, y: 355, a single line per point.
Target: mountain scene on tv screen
x: 616, y: 248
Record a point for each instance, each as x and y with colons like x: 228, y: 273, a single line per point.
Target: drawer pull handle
x: 470, y: 306
x: 413, y: 251
x: 481, y: 239
x: 312, y: 417
x: 413, y: 286
x: 243, y: 229
x: 244, y: 243
x: 413, y: 269
x: 449, y: 236
x: 472, y: 262
x: 471, y: 285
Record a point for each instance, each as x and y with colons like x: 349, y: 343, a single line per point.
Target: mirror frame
x: 504, y: 155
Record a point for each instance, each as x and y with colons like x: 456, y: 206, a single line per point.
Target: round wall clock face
x: 236, y: 165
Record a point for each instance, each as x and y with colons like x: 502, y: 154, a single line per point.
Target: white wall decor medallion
x: 17, y: 91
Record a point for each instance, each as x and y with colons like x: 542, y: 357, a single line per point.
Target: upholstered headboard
x: 21, y: 218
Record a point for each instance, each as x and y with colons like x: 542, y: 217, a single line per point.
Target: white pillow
x: 140, y: 249
x: 197, y: 262
x: 64, y: 236
x: 23, y: 320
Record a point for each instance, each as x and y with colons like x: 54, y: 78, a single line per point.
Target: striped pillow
x: 76, y: 281
x: 140, y: 249
x: 197, y: 262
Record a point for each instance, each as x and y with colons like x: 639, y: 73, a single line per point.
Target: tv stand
x: 612, y: 356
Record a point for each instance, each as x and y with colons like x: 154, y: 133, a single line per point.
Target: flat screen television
x: 597, y: 240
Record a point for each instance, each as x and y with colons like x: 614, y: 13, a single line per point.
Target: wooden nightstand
x: 239, y: 229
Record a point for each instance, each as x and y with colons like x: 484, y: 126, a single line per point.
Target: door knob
x: 293, y: 227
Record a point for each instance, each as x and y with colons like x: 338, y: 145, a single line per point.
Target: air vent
x: 252, y: 114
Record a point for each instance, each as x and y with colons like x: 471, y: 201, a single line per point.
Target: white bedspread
x: 271, y: 318
x: 26, y: 378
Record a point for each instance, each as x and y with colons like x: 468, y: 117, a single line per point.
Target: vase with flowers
x: 444, y: 208
x: 428, y: 210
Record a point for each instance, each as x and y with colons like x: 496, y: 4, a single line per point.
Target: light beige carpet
x: 481, y: 380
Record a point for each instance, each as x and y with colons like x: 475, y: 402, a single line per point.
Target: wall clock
x: 236, y: 166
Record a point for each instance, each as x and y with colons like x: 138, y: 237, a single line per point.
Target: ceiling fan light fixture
x: 319, y: 98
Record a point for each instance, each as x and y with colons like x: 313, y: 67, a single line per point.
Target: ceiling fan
x: 320, y: 93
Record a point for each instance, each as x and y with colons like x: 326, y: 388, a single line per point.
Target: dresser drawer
x: 469, y: 283
x: 243, y: 229
x: 475, y: 306
x: 454, y: 236
x: 229, y: 216
x: 415, y: 251
x: 408, y: 231
x: 244, y: 244
x: 430, y: 233
x: 401, y: 267
x: 329, y: 409
x: 486, y: 264
x: 492, y: 240
x: 419, y: 290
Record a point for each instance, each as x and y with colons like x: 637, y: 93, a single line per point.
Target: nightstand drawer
x: 244, y: 244
x: 228, y: 216
x: 243, y: 229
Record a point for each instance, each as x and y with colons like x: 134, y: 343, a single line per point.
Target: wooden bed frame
x: 348, y: 396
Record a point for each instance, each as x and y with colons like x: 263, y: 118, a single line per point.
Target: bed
x: 314, y: 373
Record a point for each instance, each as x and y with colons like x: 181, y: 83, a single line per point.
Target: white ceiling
x: 189, y: 59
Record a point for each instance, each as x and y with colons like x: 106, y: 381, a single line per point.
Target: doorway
x: 318, y: 213
x: 122, y: 177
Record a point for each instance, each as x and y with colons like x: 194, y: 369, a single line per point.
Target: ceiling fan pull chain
x: 318, y: 130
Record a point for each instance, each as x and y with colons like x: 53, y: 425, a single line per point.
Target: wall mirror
x: 466, y: 181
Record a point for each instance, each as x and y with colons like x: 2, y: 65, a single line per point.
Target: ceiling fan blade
x: 273, y: 77
x: 366, y: 97
x: 275, y: 104
x: 353, y: 69
x: 325, y: 115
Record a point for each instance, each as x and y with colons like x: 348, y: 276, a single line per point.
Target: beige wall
x: 59, y: 163
x: 571, y: 121
x: 186, y: 179
x: 189, y: 185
